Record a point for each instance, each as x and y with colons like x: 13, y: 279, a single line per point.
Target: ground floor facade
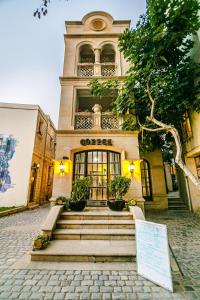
x: 21, y: 280
x: 103, y: 155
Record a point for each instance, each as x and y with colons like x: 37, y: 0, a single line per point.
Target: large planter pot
x: 116, y: 205
x: 77, y: 206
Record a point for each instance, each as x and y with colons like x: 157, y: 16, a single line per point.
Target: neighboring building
x: 191, y: 131
x: 27, y: 149
x: 90, y: 141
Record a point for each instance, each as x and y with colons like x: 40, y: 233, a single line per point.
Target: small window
x: 197, y: 161
x: 40, y: 127
x: 186, y: 127
x: 146, y: 180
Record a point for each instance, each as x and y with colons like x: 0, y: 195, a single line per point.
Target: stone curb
x: 12, y: 211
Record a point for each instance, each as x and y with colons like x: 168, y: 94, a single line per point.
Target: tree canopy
x: 162, y: 82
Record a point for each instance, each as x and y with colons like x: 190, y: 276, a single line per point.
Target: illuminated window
x: 101, y: 167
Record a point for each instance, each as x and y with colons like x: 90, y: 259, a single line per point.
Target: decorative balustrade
x: 87, y: 120
x: 109, y: 121
x: 86, y: 70
x: 84, y: 120
x: 108, y: 70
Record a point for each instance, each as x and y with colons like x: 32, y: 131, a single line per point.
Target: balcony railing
x: 108, y: 69
x: 109, y: 121
x: 89, y: 120
x: 84, y: 120
x: 85, y: 69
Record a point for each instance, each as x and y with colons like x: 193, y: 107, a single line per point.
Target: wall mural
x: 7, y: 150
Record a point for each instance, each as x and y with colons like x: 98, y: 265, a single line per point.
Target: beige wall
x: 19, y: 121
x: 125, y: 143
x: 157, y: 180
x: 43, y: 154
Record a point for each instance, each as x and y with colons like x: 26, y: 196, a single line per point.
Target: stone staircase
x: 176, y: 203
x: 92, y: 236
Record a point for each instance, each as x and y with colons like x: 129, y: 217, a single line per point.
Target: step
x: 94, y: 234
x: 177, y: 207
x: 87, y: 251
x: 177, y: 204
x: 95, y: 224
x: 96, y: 215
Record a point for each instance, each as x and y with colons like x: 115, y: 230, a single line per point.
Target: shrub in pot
x: 118, y: 187
x: 79, y: 195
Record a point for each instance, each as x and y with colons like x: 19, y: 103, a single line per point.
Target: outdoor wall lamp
x: 131, y: 168
x: 35, y: 167
x: 62, y: 168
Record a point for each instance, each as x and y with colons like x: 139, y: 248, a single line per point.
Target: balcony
x: 97, y: 121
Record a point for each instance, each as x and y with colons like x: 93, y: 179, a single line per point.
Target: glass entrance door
x: 101, y: 166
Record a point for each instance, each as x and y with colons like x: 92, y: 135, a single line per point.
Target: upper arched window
x: 86, y: 54
x: 108, y: 54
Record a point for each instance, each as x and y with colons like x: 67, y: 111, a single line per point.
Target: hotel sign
x: 104, y: 142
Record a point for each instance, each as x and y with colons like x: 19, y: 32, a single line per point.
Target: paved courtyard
x: 17, y: 232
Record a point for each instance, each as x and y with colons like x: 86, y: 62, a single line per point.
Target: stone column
x: 97, y: 64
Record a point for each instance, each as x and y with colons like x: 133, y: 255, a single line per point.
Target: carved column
x: 97, y: 64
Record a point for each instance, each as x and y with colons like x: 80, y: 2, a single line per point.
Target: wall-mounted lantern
x: 62, y: 168
x: 131, y: 168
x: 35, y: 167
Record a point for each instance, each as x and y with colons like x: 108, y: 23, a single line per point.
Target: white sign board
x: 153, y: 261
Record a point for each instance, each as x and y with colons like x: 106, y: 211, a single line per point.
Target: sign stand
x: 153, y: 260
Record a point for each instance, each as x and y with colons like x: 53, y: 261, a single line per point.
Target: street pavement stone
x: 16, y: 235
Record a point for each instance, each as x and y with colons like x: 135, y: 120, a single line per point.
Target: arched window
x: 107, y: 60
x: 108, y: 54
x: 86, y: 54
x: 146, y: 180
x: 100, y: 166
x: 86, y: 61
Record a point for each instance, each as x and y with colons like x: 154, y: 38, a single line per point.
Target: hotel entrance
x: 100, y: 166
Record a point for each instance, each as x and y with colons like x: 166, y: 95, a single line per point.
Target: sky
x: 32, y: 50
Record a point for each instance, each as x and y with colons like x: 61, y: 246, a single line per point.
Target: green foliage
x: 104, y: 88
x: 40, y: 242
x: 158, y: 50
x: 131, y: 202
x: 80, y: 189
x: 60, y: 200
x: 119, y: 186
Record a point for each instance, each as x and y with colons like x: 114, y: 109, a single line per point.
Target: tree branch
x: 151, y: 99
x: 174, y: 132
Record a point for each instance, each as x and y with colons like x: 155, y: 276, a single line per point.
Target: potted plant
x: 79, y: 195
x: 40, y: 242
x: 118, y: 187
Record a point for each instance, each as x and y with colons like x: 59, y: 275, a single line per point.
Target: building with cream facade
x: 90, y: 141
x: 191, y: 134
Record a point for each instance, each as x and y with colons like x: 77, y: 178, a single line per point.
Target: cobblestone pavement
x: 17, y: 231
